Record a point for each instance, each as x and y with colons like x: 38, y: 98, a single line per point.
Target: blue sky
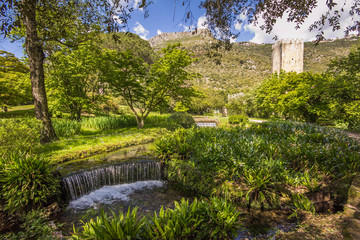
x: 165, y: 16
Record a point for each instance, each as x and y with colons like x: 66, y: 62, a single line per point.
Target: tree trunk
x: 36, y: 57
x: 78, y: 114
x: 140, y: 122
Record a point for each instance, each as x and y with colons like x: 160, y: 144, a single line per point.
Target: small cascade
x: 80, y: 183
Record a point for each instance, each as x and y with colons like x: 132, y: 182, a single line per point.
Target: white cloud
x: 136, y: 5
x: 283, y: 29
x: 141, y: 31
x: 201, y: 24
x: 238, y: 26
x: 159, y: 32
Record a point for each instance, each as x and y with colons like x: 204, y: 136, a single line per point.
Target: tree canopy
x: 47, y: 23
x: 14, y: 81
x: 345, y: 87
x: 73, y: 82
x: 145, y: 88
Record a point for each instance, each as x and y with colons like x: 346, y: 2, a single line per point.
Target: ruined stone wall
x: 288, y: 55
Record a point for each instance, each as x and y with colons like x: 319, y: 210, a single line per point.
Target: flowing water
x: 80, y: 183
x: 148, y: 196
x: 124, y: 183
x: 115, y: 187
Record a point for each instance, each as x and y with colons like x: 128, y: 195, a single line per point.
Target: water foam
x: 109, y: 194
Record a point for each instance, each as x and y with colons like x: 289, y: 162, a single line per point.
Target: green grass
x: 91, y: 142
x: 19, y: 111
x: 92, y: 135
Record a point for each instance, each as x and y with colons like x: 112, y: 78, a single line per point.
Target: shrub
x: 238, y: 119
x: 26, y: 182
x: 121, y: 226
x: 222, y: 219
x: 66, y: 127
x: 216, y: 219
x: 18, y: 135
x: 181, y: 119
x: 182, y: 222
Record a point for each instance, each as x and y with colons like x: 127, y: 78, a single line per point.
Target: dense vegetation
x: 14, y: 80
x: 258, y: 165
x: 216, y: 219
x: 91, y: 77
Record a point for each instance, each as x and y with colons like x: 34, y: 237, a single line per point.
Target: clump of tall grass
x: 157, y: 119
x: 108, y: 122
x: 66, y: 127
x: 116, y: 122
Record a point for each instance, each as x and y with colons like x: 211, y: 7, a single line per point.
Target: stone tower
x: 288, y: 55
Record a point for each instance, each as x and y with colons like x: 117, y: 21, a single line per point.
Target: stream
x: 126, y: 178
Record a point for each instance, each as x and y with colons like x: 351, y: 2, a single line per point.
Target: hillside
x: 245, y: 64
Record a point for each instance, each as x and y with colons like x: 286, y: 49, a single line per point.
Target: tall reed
x: 66, y: 127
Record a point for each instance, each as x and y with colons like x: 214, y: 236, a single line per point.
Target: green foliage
x: 213, y: 219
x: 180, y: 107
x: 238, y: 119
x: 261, y: 188
x: 344, y: 88
x: 121, y: 226
x: 223, y: 220
x: 301, y: 203
x: 14, y: 81
x: 216, y: 219
x: 128, y: 41
x: 73, y: 83
x: 294, y: 96
x: 182, y: 222
x: 27, y: 182
x: 210, y: 100
x: 261, y: 162
x: 107, y: 122
x: 66, y: 127
x: 35, y: 226
x: 145, y: 88
x: 181, y: 119
x: 18, y: 135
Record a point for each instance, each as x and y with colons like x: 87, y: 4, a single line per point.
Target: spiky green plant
x: 121, y: 226
x: 27, y: 182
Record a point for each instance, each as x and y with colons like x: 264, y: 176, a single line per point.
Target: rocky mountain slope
x: 245, y: 64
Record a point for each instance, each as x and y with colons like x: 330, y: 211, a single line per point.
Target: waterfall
x: 80, y: 183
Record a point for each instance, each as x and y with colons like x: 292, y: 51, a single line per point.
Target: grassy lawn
x: 19, y: 111
x: 90, y: 142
